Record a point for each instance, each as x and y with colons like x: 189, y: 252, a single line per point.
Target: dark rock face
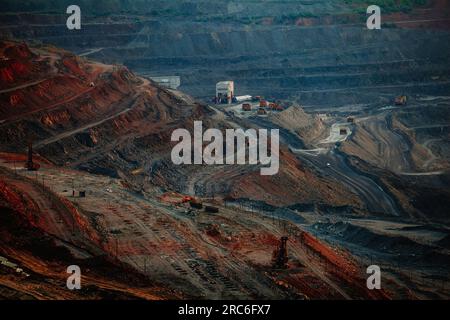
x: 319, y: 53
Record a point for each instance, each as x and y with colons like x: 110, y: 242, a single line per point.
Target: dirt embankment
x: 292, y: 185
x: 134, y: 230
x: 35, y: 237
x: 414, y: 195
x: 295, y: 119
x: 106, y: 120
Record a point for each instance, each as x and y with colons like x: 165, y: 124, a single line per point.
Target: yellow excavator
x: 400, y: 100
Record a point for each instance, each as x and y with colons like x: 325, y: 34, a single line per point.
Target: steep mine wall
x: 315, y: 52
x: 121, y: 126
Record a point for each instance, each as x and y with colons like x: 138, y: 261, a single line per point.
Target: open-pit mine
x: 87, y: 177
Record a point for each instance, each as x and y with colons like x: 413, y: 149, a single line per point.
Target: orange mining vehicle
x: 275, y: 107
x: 278, y: 108
x: 400, y: 100
x: 175, y: 198
x: 246, y: 107
x: 187, y: 199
